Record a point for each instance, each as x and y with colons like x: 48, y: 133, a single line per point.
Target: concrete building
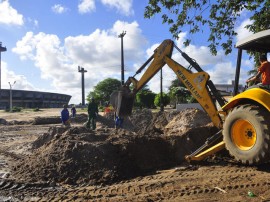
x: 228, y: 88
x: 32, y: 99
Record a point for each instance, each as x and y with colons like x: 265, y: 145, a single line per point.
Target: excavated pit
x: 147, y: 143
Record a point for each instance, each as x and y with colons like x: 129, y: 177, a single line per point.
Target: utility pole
x: 2, y: 49
x: 161, y: 93
x: 122, y: 57
x: 82, y: 71
x: 10, y: 95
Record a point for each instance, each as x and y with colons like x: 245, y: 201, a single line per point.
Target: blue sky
x: 47, y: 40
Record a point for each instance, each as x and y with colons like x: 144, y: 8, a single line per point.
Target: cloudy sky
x: 46, y: 41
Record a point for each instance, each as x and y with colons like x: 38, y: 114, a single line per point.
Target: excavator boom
x: 198, y: 83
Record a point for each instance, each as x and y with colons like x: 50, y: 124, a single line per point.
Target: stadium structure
x: 32, y: 99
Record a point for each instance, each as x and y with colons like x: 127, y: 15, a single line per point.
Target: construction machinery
x: 243, y: 121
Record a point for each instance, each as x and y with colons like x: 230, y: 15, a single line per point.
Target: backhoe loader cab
x: 259, y: 42
x: 246, y: 127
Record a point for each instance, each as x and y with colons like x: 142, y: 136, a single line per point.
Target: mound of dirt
x: 77, y: 155
x: 138, y: 120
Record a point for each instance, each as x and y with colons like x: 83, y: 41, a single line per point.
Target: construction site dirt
x: 41, y: 160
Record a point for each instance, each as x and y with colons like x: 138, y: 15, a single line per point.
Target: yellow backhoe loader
x: 243, y: 121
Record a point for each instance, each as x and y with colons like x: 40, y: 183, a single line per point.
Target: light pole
x: 161, y: 93
x: 122, y: 57
x: 10, y: 102
x: 82, y: 71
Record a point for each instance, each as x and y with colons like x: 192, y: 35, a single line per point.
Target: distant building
x: 32, y: 99
x: 228, y: 88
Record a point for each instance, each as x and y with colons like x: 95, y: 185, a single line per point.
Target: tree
x: 104, y: 89
x: 219, y: 16
x: 145, y: 98
x: 176, y: 83
x: 166, y: 99
x: 178, y: 93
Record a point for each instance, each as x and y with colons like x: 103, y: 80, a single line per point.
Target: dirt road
x: 218, y: 178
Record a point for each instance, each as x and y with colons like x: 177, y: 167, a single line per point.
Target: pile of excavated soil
x: 77, y: 155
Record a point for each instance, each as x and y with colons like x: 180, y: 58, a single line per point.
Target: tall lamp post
x: 161, y: 93
x: 2, y: 49
x: 10, y: 101
x: 122, y: 57
x: 82, y: 71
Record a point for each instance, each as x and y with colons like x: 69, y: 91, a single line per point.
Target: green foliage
x: 145, y: 98
x: 103, y: 90
x: 101, y: 108
x: 165, y: 98
x: 15, y: 109
x: 36, y: 109
x: 219, y: 16
x: 178, y: 93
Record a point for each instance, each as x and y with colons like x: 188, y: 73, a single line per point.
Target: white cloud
x: 58, y: 8
x: 99, y: 53
x: 9, y: 15
x: 86, y: 6
x: 123, y: 6
x: 10, y: 76
x: 243, y: 32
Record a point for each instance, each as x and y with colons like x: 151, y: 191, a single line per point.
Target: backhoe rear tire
x: 246, y: 133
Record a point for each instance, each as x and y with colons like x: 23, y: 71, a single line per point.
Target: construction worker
x: 92, y: 114
x: 65, y: 116
x: 118, y: 121
x: 73, y: 111
x: 263, y: 71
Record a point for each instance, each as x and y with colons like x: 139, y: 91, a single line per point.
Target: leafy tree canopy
x: 219, y: 16
x: 165, y: 99
x: 145, y: 97
x: 104, y: 89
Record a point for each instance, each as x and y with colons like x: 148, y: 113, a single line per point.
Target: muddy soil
x: 40, y: 160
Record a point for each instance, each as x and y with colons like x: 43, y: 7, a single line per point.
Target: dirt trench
x: 40, y: 160
x: 147, y: 143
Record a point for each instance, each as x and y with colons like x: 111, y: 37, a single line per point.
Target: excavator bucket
x: 122, y: 101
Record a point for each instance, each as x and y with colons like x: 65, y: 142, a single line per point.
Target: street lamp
x: 10, y: 101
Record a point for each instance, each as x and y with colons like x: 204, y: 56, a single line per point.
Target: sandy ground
x: 29, y: 114
x: 217, y: 179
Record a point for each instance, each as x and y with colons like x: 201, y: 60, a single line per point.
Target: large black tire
x: 246, y: 133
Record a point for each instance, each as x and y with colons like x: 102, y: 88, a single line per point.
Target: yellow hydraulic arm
x: 198, y: 83
x: 195, y: 82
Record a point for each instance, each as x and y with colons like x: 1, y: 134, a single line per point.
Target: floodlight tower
x: 122, y: 56
x: 2, y: 49
x: 82, y: 71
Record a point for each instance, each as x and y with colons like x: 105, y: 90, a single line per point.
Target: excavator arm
x: 198, y: 83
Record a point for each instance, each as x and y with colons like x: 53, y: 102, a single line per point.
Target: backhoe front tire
x: 246, y: 133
